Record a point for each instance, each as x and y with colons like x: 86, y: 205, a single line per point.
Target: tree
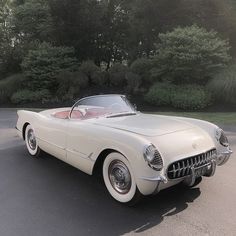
x: 32, y: 21
x: 43, y: 64
x: 8, y: 61
x: 77, y: 23
x: 114, y: 33
x: 190, y: 54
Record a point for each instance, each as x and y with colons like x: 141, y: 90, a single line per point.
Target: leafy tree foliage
x: 223, y: 85
x: 186, y: 97
x: 8, y: 64
x: 117, y: 75
x: 190, y: 54
x: 26, y: 96
x: 45, y: 38
x: 32, y: 21
x: 142, y: 67
x: 70, y: 84
x: 43, y: 64
x: 10, y: 85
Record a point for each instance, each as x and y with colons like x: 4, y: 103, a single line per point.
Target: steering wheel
x: 76, y: 114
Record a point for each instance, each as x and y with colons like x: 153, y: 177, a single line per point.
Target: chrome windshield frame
x: 102, y: 95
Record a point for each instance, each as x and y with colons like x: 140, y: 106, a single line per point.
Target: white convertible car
x: 138, y: 154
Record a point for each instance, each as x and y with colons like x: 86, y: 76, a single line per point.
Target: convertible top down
x: 138, y: 154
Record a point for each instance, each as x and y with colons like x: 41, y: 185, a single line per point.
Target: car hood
x: 145, y: 124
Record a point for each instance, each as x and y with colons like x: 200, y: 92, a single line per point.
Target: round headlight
x: 221, y: 137
x: 153, y: 157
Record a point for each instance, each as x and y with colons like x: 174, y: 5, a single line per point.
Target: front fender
x: 223, y: 153
x: 131, y: 146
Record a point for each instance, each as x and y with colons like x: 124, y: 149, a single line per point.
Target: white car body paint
x: 79, y: 142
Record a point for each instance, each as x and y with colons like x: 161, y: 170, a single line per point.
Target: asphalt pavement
x: 45, y: 196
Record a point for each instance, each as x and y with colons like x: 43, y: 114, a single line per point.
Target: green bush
x: 133, y: 82
x: 117, y: 74
x: 43, y: 64
x: 160, y: 94
x: 190, y: 97
x: 187, y: 97
x: 94, y: 73
x: 70, y: 84
x: 142, y: 67
x: 223, y: 85
x: 189, y: 55
x: 10, y: 85
x: 27, y: 96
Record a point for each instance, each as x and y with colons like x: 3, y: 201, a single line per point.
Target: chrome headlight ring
x: 221, y: 137
x: 153, y: 157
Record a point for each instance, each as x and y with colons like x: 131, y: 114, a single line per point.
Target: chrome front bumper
x: 219, y: 159
x: 223, y: 156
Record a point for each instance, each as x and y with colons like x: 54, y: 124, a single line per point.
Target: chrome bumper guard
x: 223, y: 157
x: 159, y: 179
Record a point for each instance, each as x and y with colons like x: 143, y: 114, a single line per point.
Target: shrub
x: 133, y: 82
x: 117, y: 74
x: 27, y: 96
x: 142, y: 67
x: 223, y: 85
x: 70, y: 84
x: 10, y: 85
x: 189, y: 55
x: 43, y: 64
x: 160, y: 94
x: 94, y: 73
x: 190, y: 97
x: 89, y: 68
x: 100, y: 78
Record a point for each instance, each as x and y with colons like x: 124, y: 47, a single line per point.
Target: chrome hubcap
x: 119, y: 176
x: 31, y: 139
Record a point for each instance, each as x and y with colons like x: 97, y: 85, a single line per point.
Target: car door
x: 52, y: 135
x: 80, y: 145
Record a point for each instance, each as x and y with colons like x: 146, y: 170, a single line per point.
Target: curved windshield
x: 102, y: 105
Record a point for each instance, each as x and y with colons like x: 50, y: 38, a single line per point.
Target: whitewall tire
x: 31, y: 142
x: 119, y: 179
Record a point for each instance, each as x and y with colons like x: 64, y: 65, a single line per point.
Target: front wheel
x: 119, y: 179
x: 31, y: 142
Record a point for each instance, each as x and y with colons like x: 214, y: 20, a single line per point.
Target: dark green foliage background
x: 153, y: 49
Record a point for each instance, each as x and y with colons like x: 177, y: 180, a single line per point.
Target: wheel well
x: 97, y: 169
x: 24, y: 128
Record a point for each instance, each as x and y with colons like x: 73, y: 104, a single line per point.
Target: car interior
x: 85, y: 113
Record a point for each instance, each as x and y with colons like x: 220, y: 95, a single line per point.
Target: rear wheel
x: 31, y: 142
x: 119, y: 179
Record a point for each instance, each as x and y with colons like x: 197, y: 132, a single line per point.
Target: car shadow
x: 52, y: 198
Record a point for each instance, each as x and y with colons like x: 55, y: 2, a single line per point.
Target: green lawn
x: 214, y: 117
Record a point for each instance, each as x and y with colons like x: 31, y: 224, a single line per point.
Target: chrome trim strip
x: 229, y: 151
x: 84, y: 156
x: 159, y: 178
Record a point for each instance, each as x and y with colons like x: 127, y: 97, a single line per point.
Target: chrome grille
x: 182, y: 168
x: 157, y: 160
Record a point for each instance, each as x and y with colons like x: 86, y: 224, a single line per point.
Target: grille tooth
x: 174, y: 171
x: 201, y: 159
x: 179, y: 170
x: 183, y: 167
